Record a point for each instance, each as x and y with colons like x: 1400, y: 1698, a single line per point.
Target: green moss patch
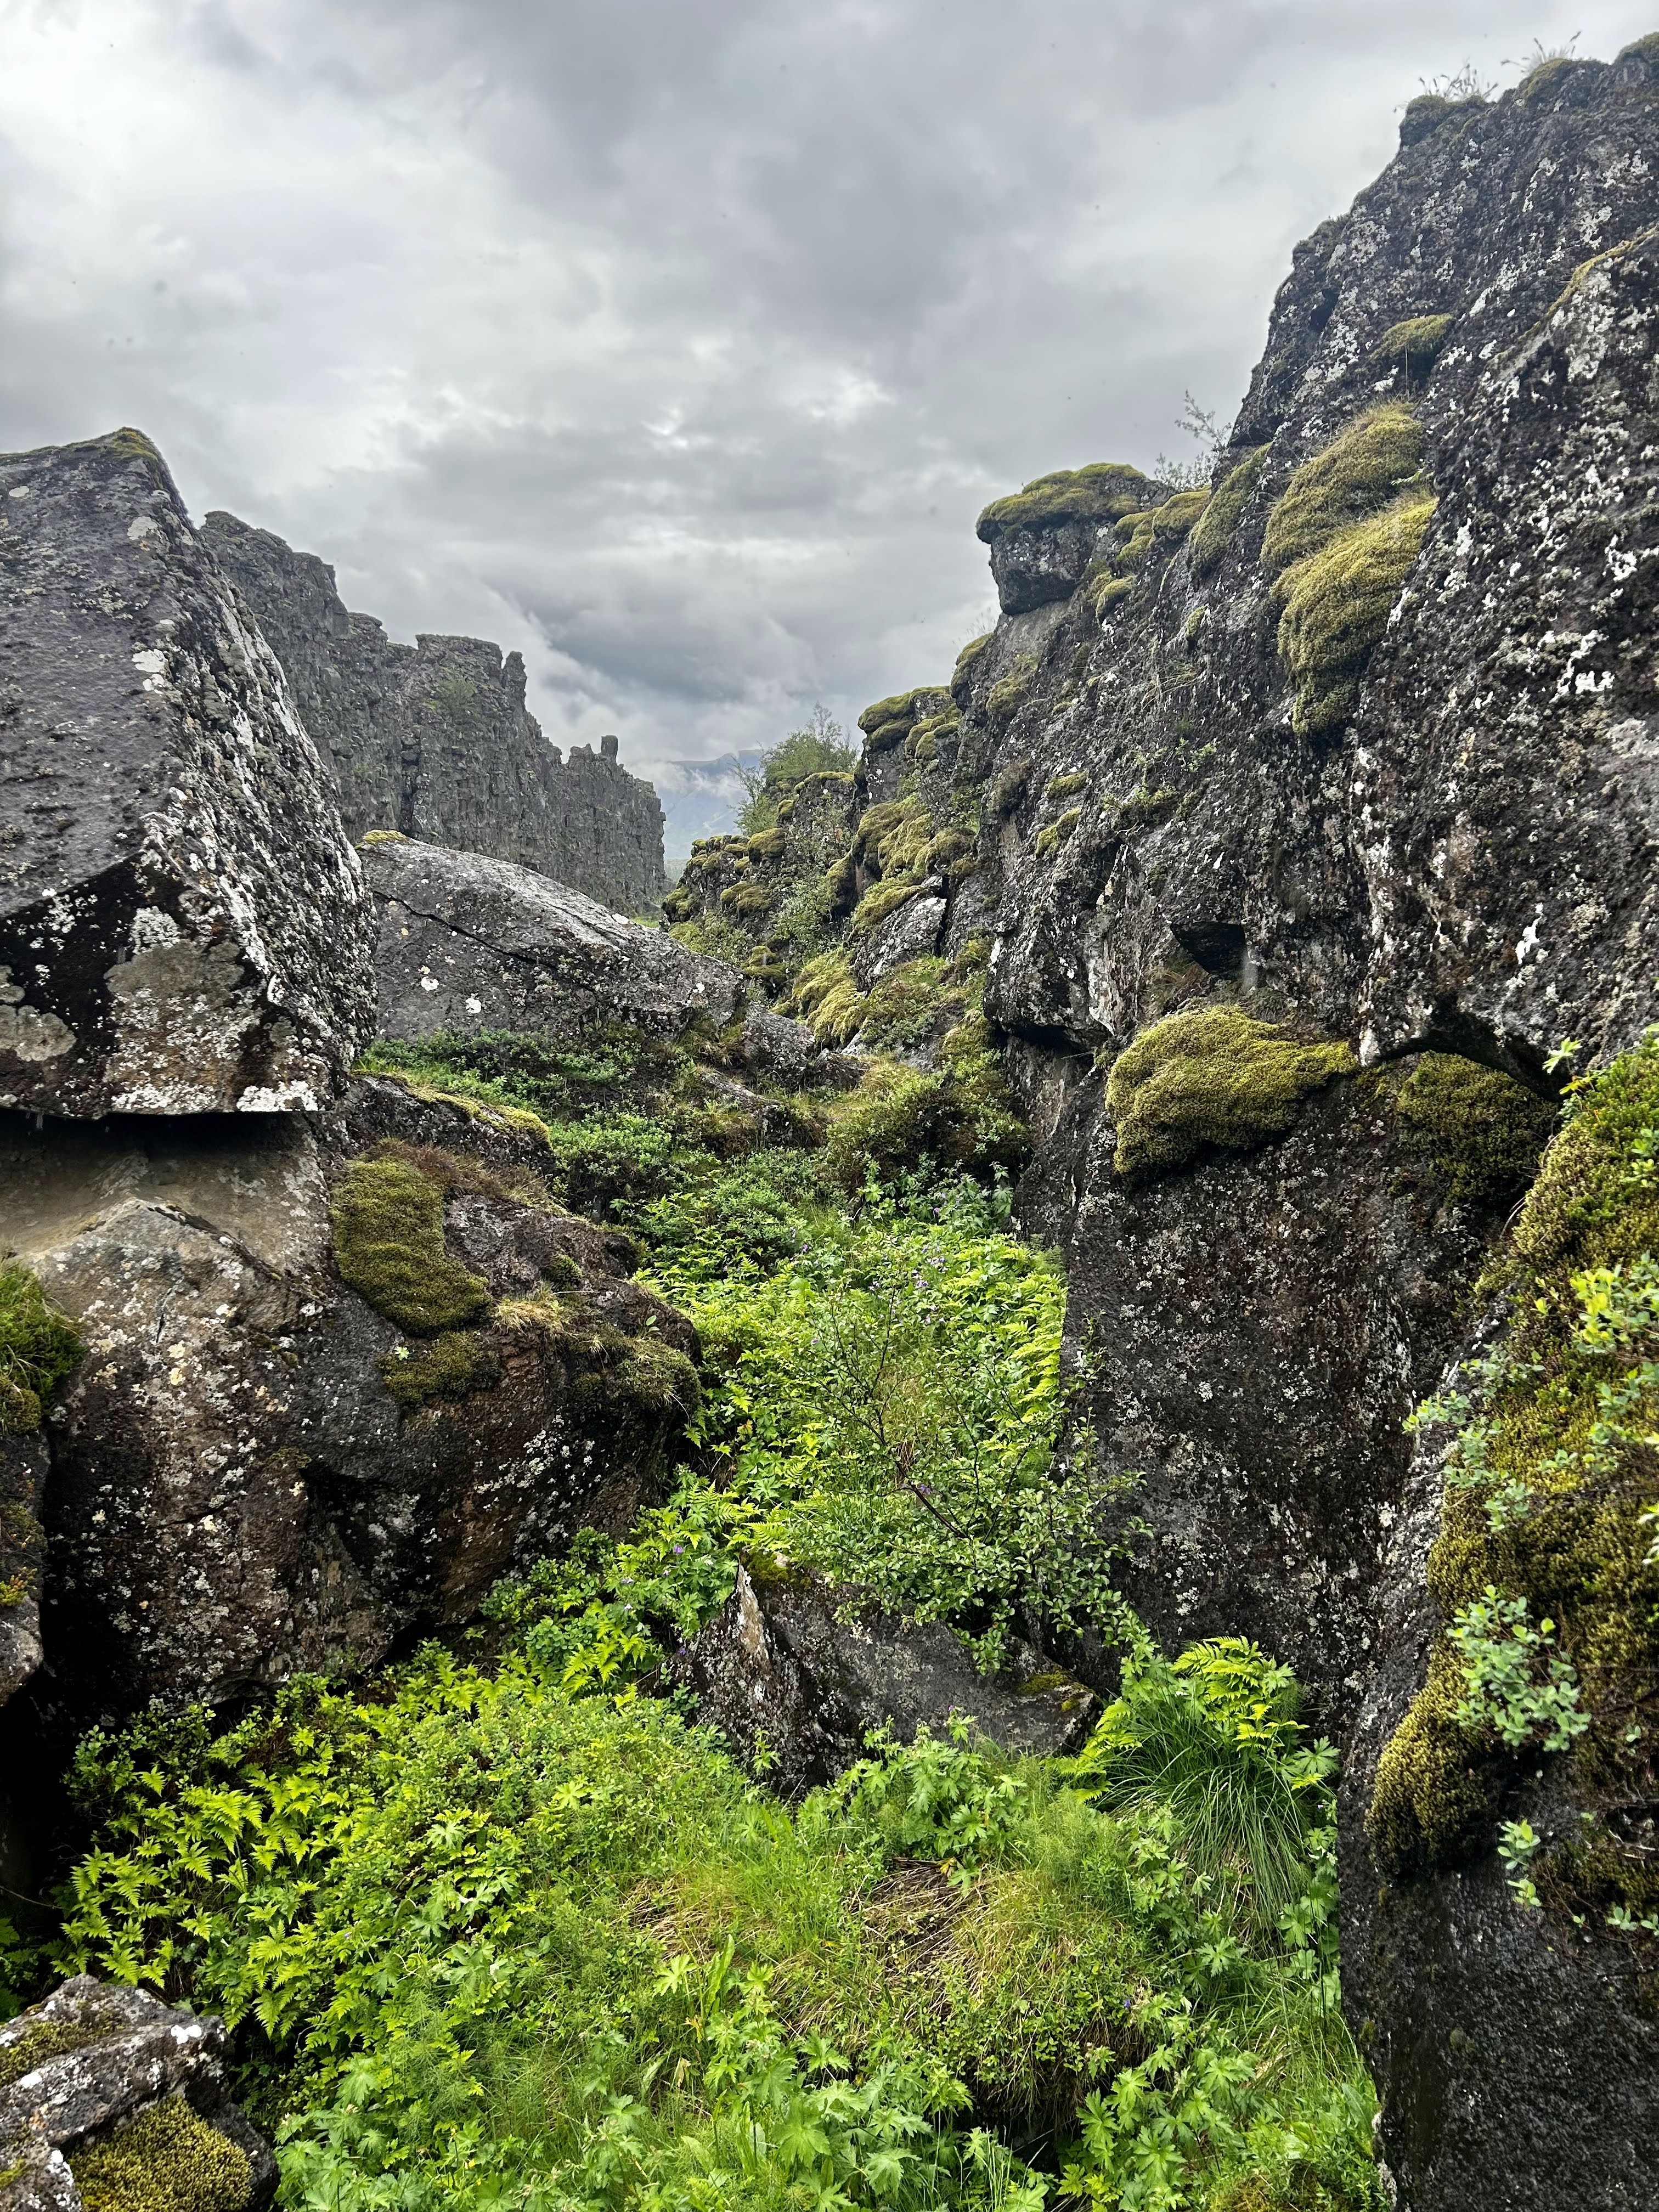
x: 1213, y: 533
x: 880, y: 901
x: 1157, y: 531
x: 1099, y: 493
x: 1545, y: 1571
x: 1414, y: 344
x: 1357, y: 473
x: 166, y: 2160
x: 1337, y: 605
x: 1484, y: 1131
x: 453, y: 1365
x: 1212, y: 1076
x: 1008, y: 694
x: 40, y: 1348
x: 47, y: 2038
x: 388, y: 1222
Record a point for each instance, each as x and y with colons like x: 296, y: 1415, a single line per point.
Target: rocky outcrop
x: 339, y: 1381
x: 470, y: 943
x: 434, y: 739
x: 796, y: 1690
x: 183, y: 927
x: 106, y: 2089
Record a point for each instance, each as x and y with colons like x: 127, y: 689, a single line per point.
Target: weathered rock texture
x: 434, y: 738
x: 796, y: 1691
x: 255, y: 1470
x: 469, y: 944
x: 78, y: 2068
x: 183, y: 927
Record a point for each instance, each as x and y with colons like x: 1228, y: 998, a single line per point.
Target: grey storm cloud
x: 677, y: 343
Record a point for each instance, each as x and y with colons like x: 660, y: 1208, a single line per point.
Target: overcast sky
x: 677, y: 342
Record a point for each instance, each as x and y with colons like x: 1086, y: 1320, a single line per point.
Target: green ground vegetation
x: 1213, y: 533
x: 1545, y: 1572
x: 1484, y: 1131
x: 39, y: 1347
x: 1212, y: 1076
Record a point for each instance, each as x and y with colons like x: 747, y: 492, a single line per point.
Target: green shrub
x: 1213, y: 533
x: 166, y: 2160
x: 40, y: 1348
x: 1360, y: 471
x: 1212, y: 1076
x: 1099, y: 493
x: 388, y: 1222
x: 904, y: 1007
x: 1483, y: 1130
x: 1543, y: 1569
x: 607, y: 1162
x: 1337, y: 606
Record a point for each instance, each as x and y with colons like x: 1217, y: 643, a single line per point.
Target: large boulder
x: 469, y: 943
x: 338, y: 1381
x: 106, y: 2088
x: 795, y: 1687
x: 183, y: 926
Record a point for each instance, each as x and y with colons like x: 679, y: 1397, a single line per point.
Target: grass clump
x: 1483, y: 1130
x: 1213, y: 533
x: 1102, y: 492
x: 1212, y: 1076
x: 826, y: 995
x: 388, y: 1223
x: 168, y: 2160
x: 1360, y: 471
x: 1415, y: 343
x: 1337, y: 605
x: 40, y: 1348
x: 1545, y: 1571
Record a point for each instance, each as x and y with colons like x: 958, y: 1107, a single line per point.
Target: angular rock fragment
x: 183, y: 927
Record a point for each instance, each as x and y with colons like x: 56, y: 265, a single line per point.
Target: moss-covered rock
x: 1213, y: 533
x: 1098, y: 492
x: 167, y: 2160
x: 40, y: 1348
x: 1360, y: 471
x: 1211, y: 1077
x: 1414, y: 343
x: 1337, y: 605
x: 388, y: 1224
x: 1483, y: 1130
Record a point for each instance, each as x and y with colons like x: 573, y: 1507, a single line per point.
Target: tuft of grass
x: 1361, y: 471
x: 1212, y: 1076
x: 40, y: 1348
x: 1337, y: 605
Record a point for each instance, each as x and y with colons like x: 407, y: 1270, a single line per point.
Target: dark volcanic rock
x: 254, y: 1470
x: 23, y: 1479
x: 468, y: 943
x: 183, y: 927
x: 796, y: 1691
x: 93, y: 2057
x: 434, y: 739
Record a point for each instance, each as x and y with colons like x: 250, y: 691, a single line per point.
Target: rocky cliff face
x: 435, y: 740
x: 1296, y: 820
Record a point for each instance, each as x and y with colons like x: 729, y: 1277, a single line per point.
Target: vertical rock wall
x: 434, y: 739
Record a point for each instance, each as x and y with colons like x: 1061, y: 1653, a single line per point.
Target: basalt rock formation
x: 183, y: 927
x: 1282, y: 830
x: 108, y: 2095
x: 434, y: 739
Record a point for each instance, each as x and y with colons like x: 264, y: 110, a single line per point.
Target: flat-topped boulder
x: 469, y: 944
x: 183, y: 923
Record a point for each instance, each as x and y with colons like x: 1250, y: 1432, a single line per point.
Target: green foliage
x: 714, y: 937
x: 1337, y: 605
x: 826, y: 994
x: 388, y: 1222
x: 1414, y: 343
x: 167, y: 2160
x: 819, y: 748
x: 901, y: 1118
x: 1213, y: 533
x: 1099, y: 493
x: 40, y: 1348
x: 1483, y: 1130
x: 1212, y: 1076
x: 1361, y: 471
x: 1542, y: 1569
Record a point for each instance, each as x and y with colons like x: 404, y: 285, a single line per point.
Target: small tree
x: 820, y: 747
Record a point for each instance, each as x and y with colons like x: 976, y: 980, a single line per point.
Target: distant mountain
x: 700, y: 798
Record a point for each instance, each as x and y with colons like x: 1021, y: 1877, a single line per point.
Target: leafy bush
x: 1211, y: 1077
x: 39, y: 1347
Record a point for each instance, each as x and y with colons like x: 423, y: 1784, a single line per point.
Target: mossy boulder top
x: 183, y: 923
x: 1042, y: 538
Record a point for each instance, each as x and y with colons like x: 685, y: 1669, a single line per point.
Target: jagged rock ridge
x: 434, y: 739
